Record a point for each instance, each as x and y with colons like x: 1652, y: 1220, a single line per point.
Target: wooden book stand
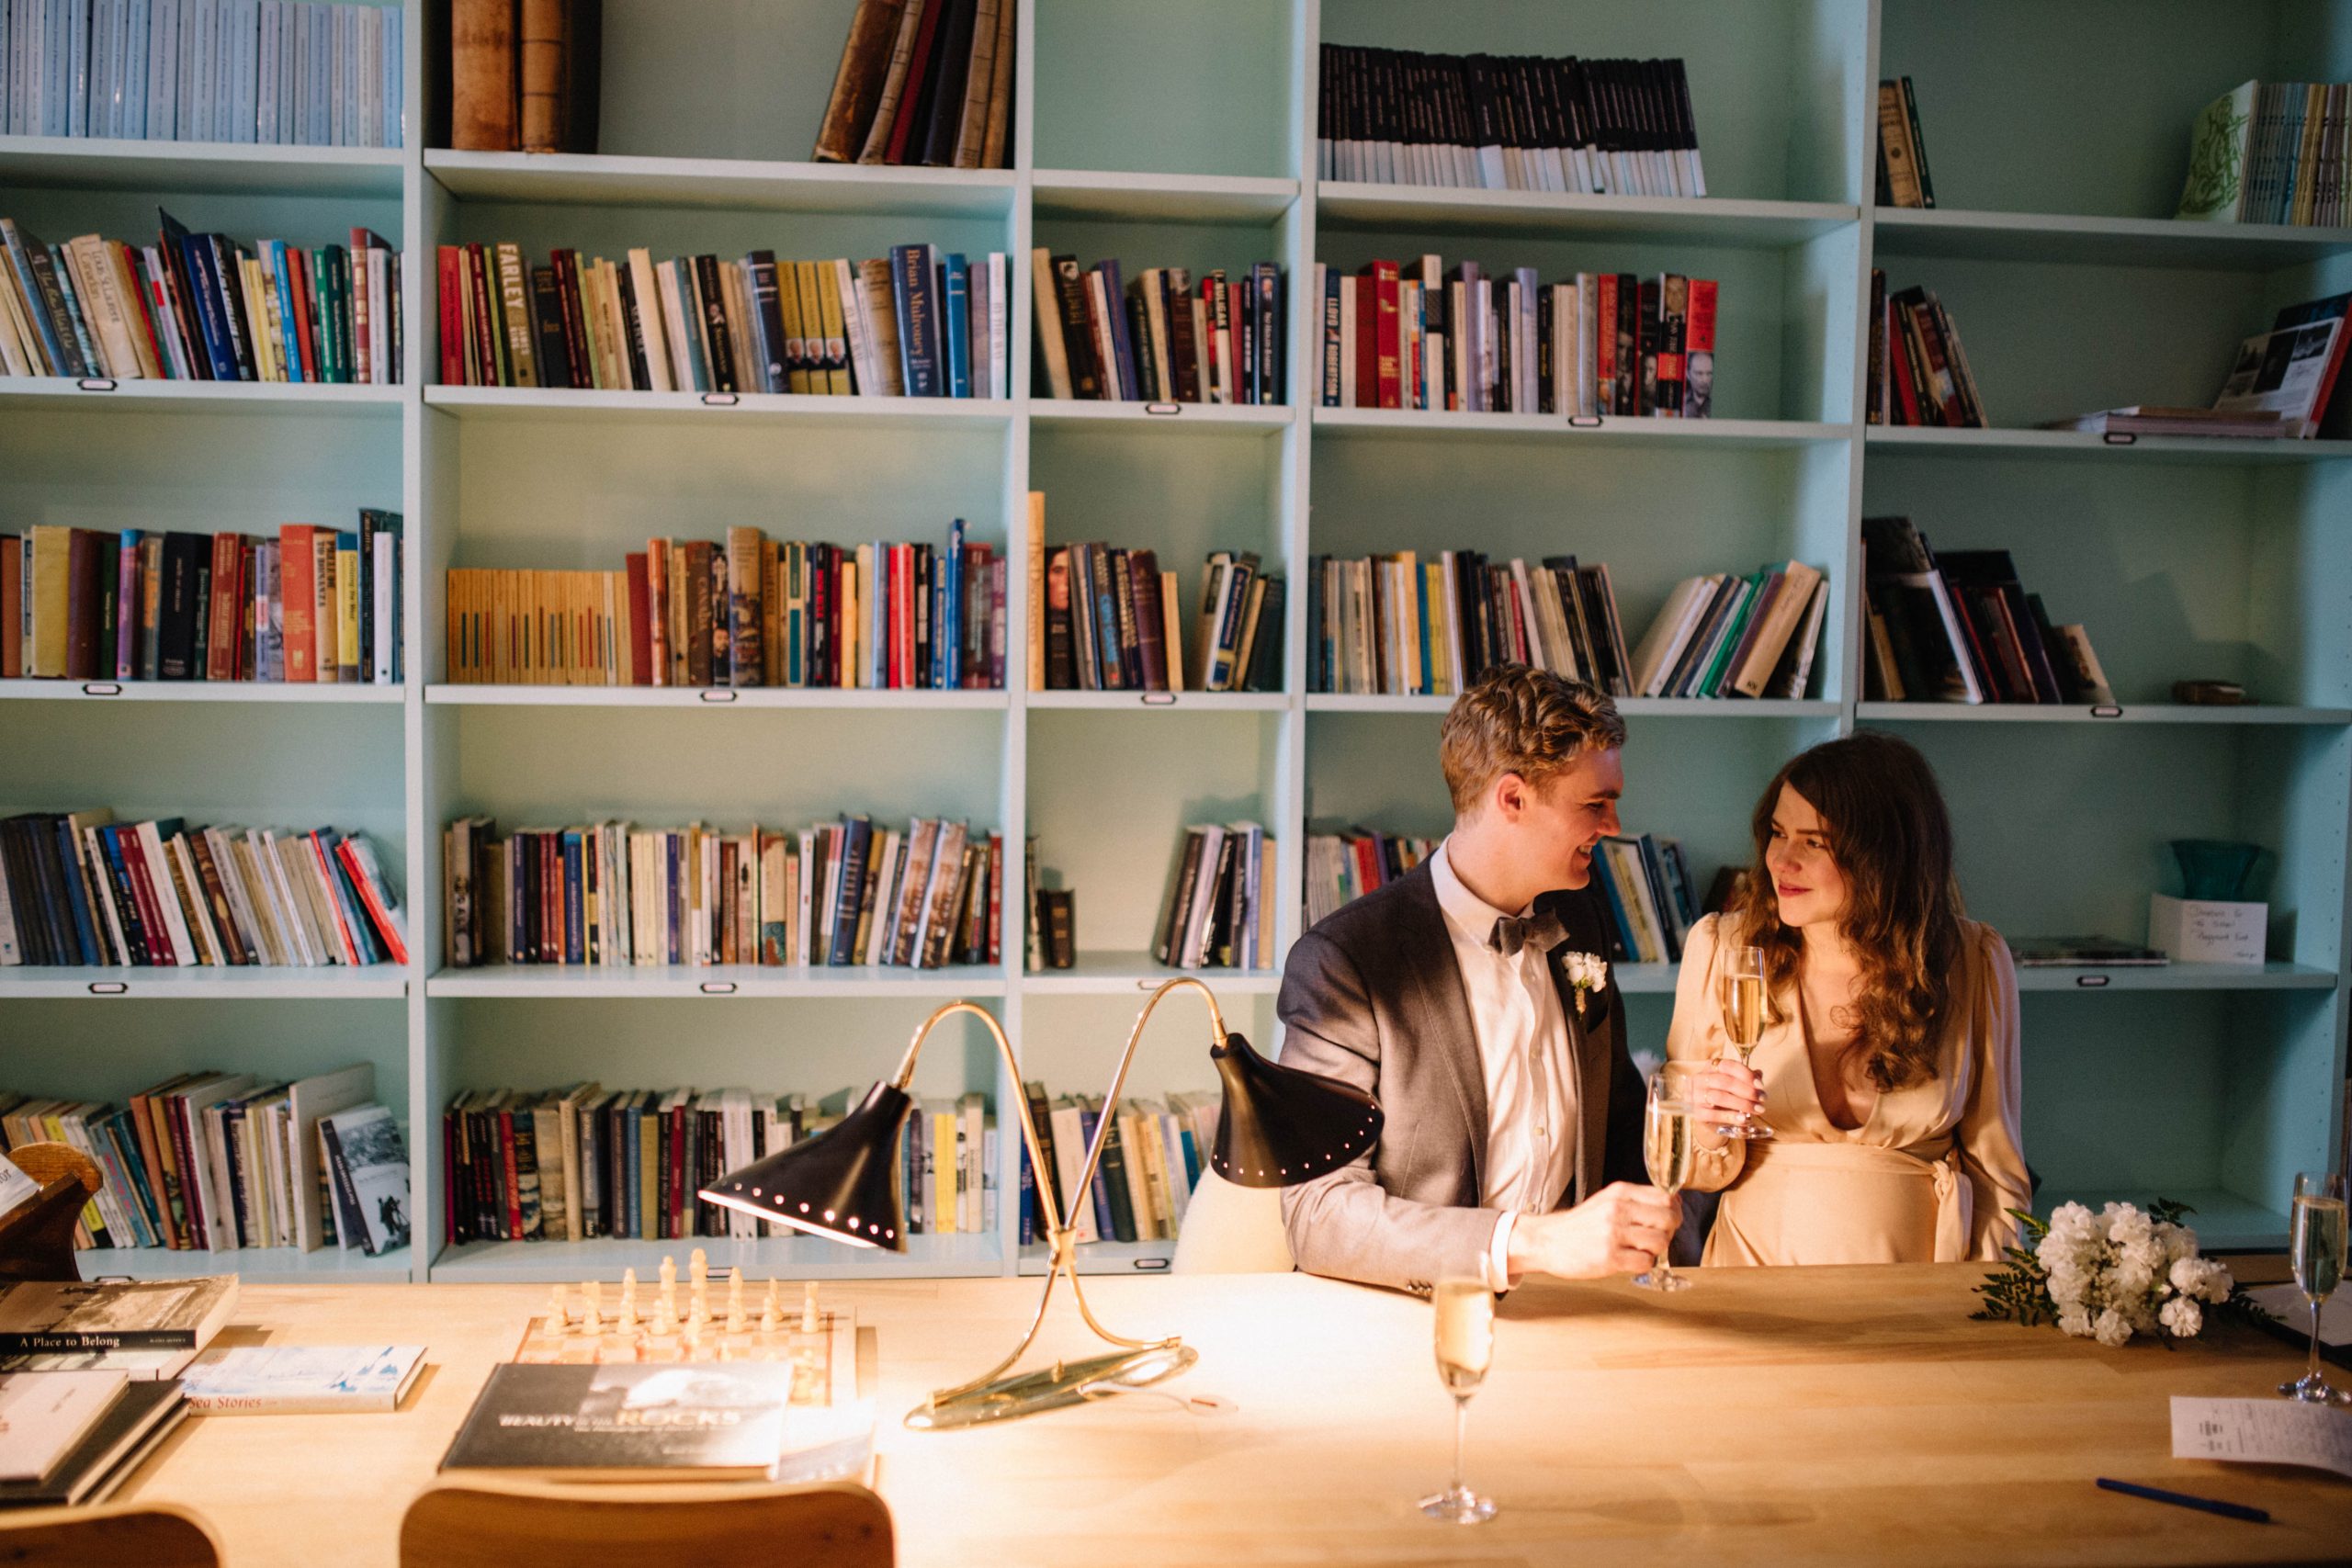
x: 37, y: 1237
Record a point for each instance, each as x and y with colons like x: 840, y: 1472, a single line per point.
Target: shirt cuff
x: 1498, y: 1253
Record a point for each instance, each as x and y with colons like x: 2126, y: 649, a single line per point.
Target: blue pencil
x: 2182, y: 1499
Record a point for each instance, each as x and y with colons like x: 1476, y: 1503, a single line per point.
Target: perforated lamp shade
x: 843, y: 1183
x: 1282, y: 1126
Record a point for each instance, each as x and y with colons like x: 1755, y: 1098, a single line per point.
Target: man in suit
x: 1513, y: 1135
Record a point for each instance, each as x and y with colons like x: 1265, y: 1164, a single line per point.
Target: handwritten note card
x: 2266, y: 1431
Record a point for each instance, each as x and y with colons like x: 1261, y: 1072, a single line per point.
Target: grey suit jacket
x: 1372, y: 996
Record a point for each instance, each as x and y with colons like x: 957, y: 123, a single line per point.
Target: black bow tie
x: 1540, y: 931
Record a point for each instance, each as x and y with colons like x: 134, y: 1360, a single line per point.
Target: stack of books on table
x: 314, y: 604
x: 1398, y: 335
x: 212, y: 1161
x: 851, y: 892
x: 581, y: 1162
x: 1161, y: 337
x: 202, y: 308
x: 78, y: 887
x: 72, y: 1438
x: 1958, y: 627
x: 1152, y: 1158
x: 747, y: 611
x: 1218, y: 911
x: 1408, y: 624
x: 1113, y: 623
x: 1507, y: 122
x: 915, y: 323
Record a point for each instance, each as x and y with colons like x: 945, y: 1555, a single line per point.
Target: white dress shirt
x: 1529, y: 1063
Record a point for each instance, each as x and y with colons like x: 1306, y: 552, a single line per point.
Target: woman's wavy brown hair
x: 1892, y: 839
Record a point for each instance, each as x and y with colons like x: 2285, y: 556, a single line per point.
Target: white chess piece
x: 670, y: 1283
x: 559, y: 1310
x: 628, y: 1301
x: 665, y: 1315
x: 735, y: 1302
x: 809, y: 1320
x: 772, y: 1310
x: 590, y: 1316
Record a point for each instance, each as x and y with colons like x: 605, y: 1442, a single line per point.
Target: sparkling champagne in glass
x: 1466, y: 1349
x: 1739, y: 987
x: 2316, y: 1250
x: 1670, y: 1146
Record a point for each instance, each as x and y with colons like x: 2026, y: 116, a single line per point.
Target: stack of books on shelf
x: 250, y: 71
x: 1958, y: 627
x: 925, y: 82
x: 837, y: 893
x: 1507, y: 122
x: 2269, y: 152
x: 1343, y: 867
x: 584, y: 1162
x: 1608, y: 343
x: 1723, y: 635
x: 1903, y: 178
x: 1652, y: 901
x: 915, y: 323
x: 2280, y: 386
x: 80, y: 888
x: 524, y: 78
x: 1152, y: 1158
x: 214, y: 1161
x: 1113, y: 623
x: 745, y: 611
x: 312, y: 606
x: 909, y: 325
x: 1161, y: 337
x: 1218, y: 911
x: 202, y: 308
x: 1403, y: 626
x: 1918, y: 372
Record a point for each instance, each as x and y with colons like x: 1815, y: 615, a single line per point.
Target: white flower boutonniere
x: 1586, y: 972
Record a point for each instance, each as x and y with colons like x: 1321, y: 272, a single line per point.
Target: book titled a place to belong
x: 681, y: 1421
x: 75, y: 1316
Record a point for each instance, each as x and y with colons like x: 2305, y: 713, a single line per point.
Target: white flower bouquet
x: 2111, y: 1275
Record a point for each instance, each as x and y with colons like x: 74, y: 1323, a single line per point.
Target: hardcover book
x: 285, y: 1380
x: 73, y: 1315
x: 680, y: 1421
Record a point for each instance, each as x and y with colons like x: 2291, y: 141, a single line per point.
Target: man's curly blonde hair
x: 1519, y: 719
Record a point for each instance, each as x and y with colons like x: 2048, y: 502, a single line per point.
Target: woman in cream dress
x: 1888, y: 1066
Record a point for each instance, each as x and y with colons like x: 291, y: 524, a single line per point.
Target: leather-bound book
x: 483, y: 111
x: 857, y: 84
x: 545, y: 53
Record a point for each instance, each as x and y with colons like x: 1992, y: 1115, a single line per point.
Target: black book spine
x: 714, y: 311
x: 546, y: 315
x: 637, y: 320
x: 769, y: 305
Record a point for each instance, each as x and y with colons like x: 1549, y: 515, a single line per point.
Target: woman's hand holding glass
x: 1726, y: 1094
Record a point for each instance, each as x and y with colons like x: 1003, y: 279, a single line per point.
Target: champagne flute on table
x: 1739, y: 988
x: 1465, y: 1347
x: 2316, y: 1250
x: 1670, y: 1146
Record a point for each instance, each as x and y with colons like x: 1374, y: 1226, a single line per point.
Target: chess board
x: 824, y: 1360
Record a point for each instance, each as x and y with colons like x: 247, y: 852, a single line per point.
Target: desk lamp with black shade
x: 1279, y: 1127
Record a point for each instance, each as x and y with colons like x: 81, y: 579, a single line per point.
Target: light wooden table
x: 1767, y: 1415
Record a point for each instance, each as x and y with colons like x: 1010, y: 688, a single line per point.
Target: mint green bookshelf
x: 1181, y: 131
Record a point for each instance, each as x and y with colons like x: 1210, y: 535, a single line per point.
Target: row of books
x: 1903, y: 177
x: 745, y: 611
x: 1958, y: 627
x: 1395, y: 337
x: 1405, y: 625
x: 1152, y: 1158
x: 200, y: 308
x: 1725, y: 634
x: 79, y: 889
x: 1218, y: 909
x: 1652, y: 901
x: 581, y: 1162
x: 1918, y: 372
x: 1113, y: 623
x: 1161, y: 337
x: 1053, y: 924
x: 836, y: 892
x: 524, y: 78
x: 925, y: 82
x: 312, y: 605
x: 917, y: 323
x: 252, y: 71
x: 2270, y: 152
x: 1343, y: 867
x: 214, y: 1161
x: 1507, y: 122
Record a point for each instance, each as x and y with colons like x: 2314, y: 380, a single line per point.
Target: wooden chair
x: 37, y: 1237
x: 513, y: 1524
x: 117, y: 1535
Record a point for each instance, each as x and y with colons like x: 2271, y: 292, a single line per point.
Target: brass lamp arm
x: 1126, y: 1058
x: 1031, y: 1146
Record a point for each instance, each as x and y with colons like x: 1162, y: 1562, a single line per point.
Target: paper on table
x: 16, y: 1187
x: 2289, y: 1302
x: 2267, y: 1432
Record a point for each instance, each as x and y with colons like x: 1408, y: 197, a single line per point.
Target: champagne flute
x: 1465, y: 1347
x: 1739, y: 988
x: 2315, y: 1249
x: 1669, y: 1132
